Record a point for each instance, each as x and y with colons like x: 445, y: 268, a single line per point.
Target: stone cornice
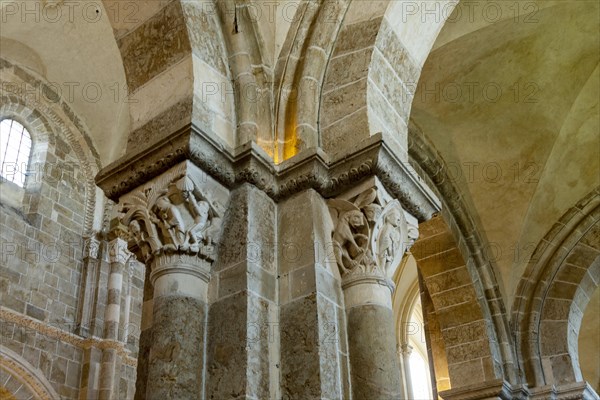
x: 497, y: 388
x: 311, y: 169
x: 568, y: 391
x: 62, y: 335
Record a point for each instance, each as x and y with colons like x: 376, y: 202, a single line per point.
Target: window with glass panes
x: 15, y: 148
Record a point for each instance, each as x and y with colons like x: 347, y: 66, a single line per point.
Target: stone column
x: 127, y: 306
x: 88, y: 289
x: 174, y: 223
x: 371, y: 337
x: 405, y: 352
x: 111, y: 361
x: 179, y: 316
x: 370, y: 237
x: 92, y: 356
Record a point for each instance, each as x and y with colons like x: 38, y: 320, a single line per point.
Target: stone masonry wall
x: 40, y: 263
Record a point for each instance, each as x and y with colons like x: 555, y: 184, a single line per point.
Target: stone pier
x: 267, y: 281
x: 372, y: 232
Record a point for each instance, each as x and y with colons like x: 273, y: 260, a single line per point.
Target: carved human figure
x: 200, y: 210
x: 201, y: 222
x: 139, y: 238
x: 136, y: 231
x: 390, y: 239
x: 170, y: 223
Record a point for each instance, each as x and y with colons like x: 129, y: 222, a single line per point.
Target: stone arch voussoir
x: 462, y: 322
x: 373, y: 72
x: 551, y: 298
x: 21, y: 380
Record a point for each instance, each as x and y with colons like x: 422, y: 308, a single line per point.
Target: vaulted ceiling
x: 508, y: 96
x: 511, y: 104
x: 73, y: 48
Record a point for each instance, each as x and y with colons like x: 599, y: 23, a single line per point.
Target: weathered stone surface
x: 374, y: 368
x: 347, y: 68
x: 357, y: 36
x: 336, y: 136
x: 343, y: 101
x: 146, y: 341
x: 300, y: 359
x: 142, y: 59
x: 459, y: 314
x: 247, y: 276
x: 453, y: 297
x: 243, y: 238
x: 397, y: 55
x: 174, y: 117
x: 562, y: 369
x: 227, y: 358
x: 177, y: 345
x: 206, y: 43
x: 467, y: 373
x: 242, y: 345
x: 448, y: 280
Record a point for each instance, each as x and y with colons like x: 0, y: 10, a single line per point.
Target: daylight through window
x: 15, y: 146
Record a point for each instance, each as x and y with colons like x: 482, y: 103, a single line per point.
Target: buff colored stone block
x: 177, y: 345
x: 141, y: 58
x: 447, y: 280
x: 374, y: 365
x: 357, y: 36
x: 466, y: 373
x: 300, y: 359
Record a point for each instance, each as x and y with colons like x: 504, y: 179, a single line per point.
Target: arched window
x: 15, y: 148
x: 419, y: 365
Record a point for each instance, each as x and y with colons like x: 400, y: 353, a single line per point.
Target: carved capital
x: 187, y: 264
x: 117, y: 230
x: 91, y: 247
x: 371, y: 233
x: 177, y: 213
x: 405, y: 350
x: 117, y: 251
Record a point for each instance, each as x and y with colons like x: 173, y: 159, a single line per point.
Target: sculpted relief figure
x: 168, y: 219
x: 351, y: 246
x: 368, y: 236
x: 352, y: 234
x: 173, y: 217
x: 390, y: 239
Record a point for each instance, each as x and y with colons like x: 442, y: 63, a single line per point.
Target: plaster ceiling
x: 73, y: 47
x: 512, y: 107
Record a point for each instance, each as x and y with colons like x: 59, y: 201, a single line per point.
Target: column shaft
x: 375, y: 371
x: 111, y: 361
x: 405, y: 353
x: 175, y: 365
